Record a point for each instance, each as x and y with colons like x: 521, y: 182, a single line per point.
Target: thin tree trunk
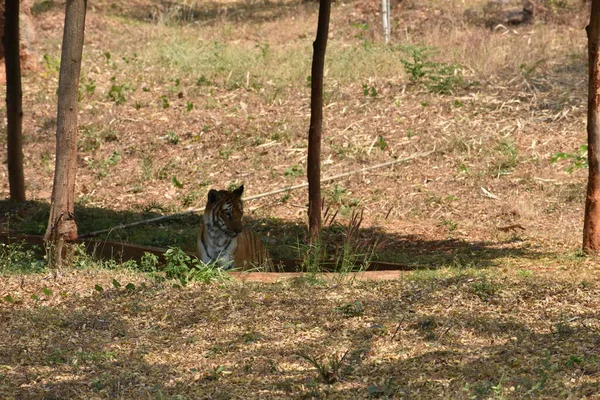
x: 14, y: 100
x: 313, y: 170
x: 62, y: 229
x: 591, y: 227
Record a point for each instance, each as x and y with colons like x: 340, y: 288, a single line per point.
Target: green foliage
x: 509, y: 156
x: 182, y: 267
x: 578, y: 159
x: 117, y: 92
x: 369, y: 90
x: 354, y: 309
x: 172, y: 138
x: 164, y: 101
x: 149, y: 262
x: 15, y: 257
x: 437, y: 77
x: 381, y: 143
x: 294, y: 170
x: 176, y: 182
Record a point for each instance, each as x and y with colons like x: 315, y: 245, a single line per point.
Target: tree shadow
x: 285, y: 240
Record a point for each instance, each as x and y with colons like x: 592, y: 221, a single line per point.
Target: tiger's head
x: 224, y: 210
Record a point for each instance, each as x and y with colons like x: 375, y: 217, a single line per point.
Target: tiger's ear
x: 213, y: 196
x: 239, y: 191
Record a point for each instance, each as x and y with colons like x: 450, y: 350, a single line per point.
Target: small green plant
x: 117, y: 92
x: 172, y: 138
x: 354, y: 309
x: 369, y: 90
x: 216, y: 373
x: 176, y: 182
x: 484, y: 288
x: 189, y: 106
x: 203, y: 81
x: 225, y: 153
x: 381, y: 143
x: 437, y: 77
x: 578, y: 159
x: 509, y: 156
x: 451, y: 225
x: 16, y: 258
x: 329, y: 370
x: 149, y: 262
x: 182, y: 267
x: 294, y: 170
x: 164, y: 102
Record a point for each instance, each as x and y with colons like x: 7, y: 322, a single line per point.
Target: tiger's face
x: 225, y: 210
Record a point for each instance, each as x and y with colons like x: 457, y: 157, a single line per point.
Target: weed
x: 172, y: 138
x: 189, y: 106
x: 116, y: 93
x: 381, y: 143
x: 329, y: 371
x: 337, y: 193
x: 16, y: 258
x: 354, y: 309
x: 149, y: 262
x: 181, y: 267
x: 578, y: 159
x: 294, y: 170
x: 484, y: 288
x: 225, y: 153
x: 203, y: 81
x: 370, y: 91
x: 509, y: 159
x: 164, y: 102
x: 176, y: 182
x: 451, y: 225
x: 437, y: 77
x: 216, y: 373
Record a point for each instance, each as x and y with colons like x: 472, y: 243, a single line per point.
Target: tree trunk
x: 591, y: 227
x: 14, y: 100
x: 62, y: 229
x: 313, y: 170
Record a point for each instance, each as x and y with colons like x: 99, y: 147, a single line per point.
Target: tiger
x: 222, y: 238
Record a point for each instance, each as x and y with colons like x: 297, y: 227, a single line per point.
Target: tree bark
x: 591, y: 226
x: 14, y: 102
x: 313, y: 170
x: 62, y: 229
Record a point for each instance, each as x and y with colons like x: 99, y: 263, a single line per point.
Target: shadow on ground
x: 284, y: 240
x: 157, y: 342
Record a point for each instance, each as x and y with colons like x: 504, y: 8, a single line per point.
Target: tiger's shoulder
x: 251, y: 253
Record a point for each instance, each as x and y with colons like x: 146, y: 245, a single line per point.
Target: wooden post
x: 313, y: 169
x: 14, y: 101
x: 385, y: 16
x: 62, y: 229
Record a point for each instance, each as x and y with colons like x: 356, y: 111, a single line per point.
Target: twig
x: 258, y: 196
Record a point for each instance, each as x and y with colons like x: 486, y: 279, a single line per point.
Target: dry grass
x: 452, y: 334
